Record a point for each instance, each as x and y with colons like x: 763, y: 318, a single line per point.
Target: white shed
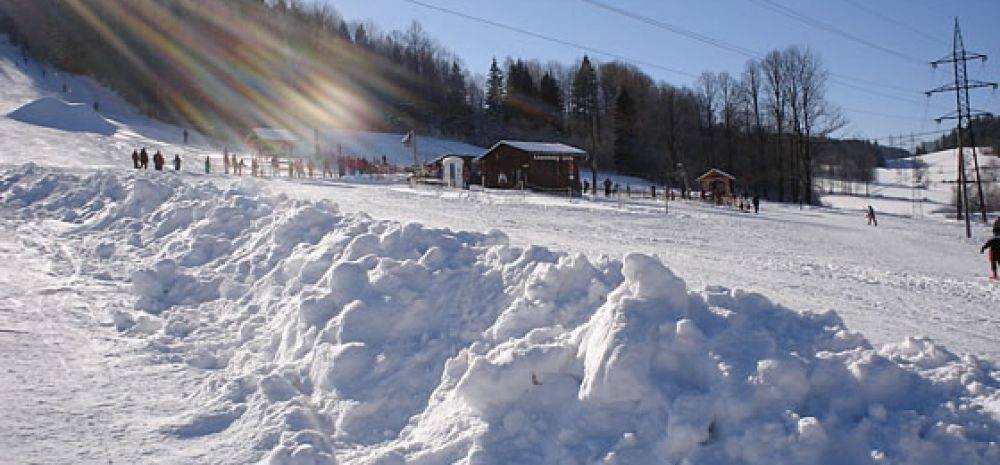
x: 451, y: 171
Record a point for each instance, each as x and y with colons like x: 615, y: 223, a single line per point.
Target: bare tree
x: 751, y: 83
x: 728, y: 108
x: 774, y: 82
x: 708, y: 89
x: 819, y: 117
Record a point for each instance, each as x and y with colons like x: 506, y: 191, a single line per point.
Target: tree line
x: 222, y: 66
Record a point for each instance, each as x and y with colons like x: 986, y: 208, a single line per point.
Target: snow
x: 54, y: 113
x: 322, y: 335
x: 160, y: 317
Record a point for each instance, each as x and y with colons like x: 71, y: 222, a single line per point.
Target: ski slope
x: 893, y: 189
x: 169, y: 317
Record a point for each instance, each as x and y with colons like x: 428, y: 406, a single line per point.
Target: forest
x: 223, y: 66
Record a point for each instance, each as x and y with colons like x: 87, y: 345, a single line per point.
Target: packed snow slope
x: 895, y: 190
x: 318, y: 336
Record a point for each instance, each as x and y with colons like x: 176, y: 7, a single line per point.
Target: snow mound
x: 333, y: 338
x: 53, y: 113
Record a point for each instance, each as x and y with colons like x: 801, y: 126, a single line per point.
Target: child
x: 994, y: 254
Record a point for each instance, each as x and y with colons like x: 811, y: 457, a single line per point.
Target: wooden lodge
x: 268, y: 142
x: 531, y: 165
x: 717, y: 183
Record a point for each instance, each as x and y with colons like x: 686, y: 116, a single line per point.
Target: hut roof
x: 715, y: 172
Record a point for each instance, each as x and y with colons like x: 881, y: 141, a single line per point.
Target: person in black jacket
x: 994, y: 256
x: 996, y: 227
x: 177, y: 162
x: 144, y: 159
x: 135, y: 159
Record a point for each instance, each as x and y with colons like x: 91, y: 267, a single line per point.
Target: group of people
x: 140, y: 160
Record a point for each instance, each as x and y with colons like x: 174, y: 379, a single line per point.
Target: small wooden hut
x: 717, y: 183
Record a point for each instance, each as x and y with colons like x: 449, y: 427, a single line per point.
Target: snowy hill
x: 893, y: 190
x: 151, y: 317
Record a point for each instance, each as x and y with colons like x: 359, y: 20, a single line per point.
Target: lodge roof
x: 541, y: 148
x: 273, y: 135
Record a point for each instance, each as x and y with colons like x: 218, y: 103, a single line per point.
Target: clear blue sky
x: 746, y: 23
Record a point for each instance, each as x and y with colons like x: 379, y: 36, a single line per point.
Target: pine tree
x: 551, y: 97
x: 583, y: 108
x: 625, y: 133
x: 495, y: 92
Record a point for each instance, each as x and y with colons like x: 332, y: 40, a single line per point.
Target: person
x: 607, y: 187
x: 326, y: 167
x: 225, y: 160
x: 177, y: 162
x: 586, y: 185
x: 158, y: 161
x: 996, y: 227
x: 872, y: 221
x: 254, y: 166
x: 756, y: 204
x: 240, y: 166
x: 135, y: 159
x: 311, y: 166
x: 144, y: 159
x: 208, y: 165
x: 993, y: 245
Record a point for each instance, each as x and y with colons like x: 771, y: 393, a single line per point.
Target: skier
x: 177, y: 162
x: 240, y: 166
x: 870, y: 214
x: 756, y: 204
x: 135, y: 159
x: 208, y: 165
x: 225, y: 160
x: 144, y: 159
x: 993, y: 255
x: 158, y: 161
x: 996, y: 227
x: 607, y: 187
x: 586, y: 186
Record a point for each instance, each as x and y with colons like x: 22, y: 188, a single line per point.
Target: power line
x: 895, y: 21
x: 551, y: 39
x: 642, y: 62
x: 728, y: 46
x: 790, y: 13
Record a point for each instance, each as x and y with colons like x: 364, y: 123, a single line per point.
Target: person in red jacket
x: 994, y: 254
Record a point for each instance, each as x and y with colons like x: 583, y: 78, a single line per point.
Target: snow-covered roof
x: 715, y: 172
x: 274, y: 135
x: 554, y: 148
x: 374, y: 145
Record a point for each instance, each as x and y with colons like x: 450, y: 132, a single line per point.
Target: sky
x: 878, y: 81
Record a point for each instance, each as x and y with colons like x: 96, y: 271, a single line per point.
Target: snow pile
x: 57, y: 114
x: 330, y: 337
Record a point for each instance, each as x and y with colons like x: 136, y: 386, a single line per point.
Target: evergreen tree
x: 495, y: 92
x: 625, y: 133
x: 583, y: 108
x: 551, y: 97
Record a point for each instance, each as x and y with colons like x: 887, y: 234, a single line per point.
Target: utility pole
x: 964, y: 114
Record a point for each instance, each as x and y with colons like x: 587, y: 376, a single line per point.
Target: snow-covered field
x: 182, y: 318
